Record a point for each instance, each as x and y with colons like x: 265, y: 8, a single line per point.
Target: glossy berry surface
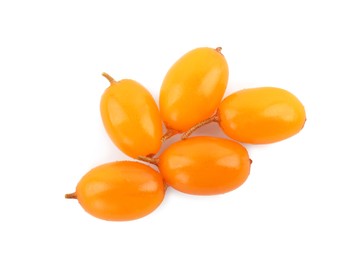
x: 193, y: 88
x: 131, y: 118
x: 120, y: 191
x: 261, y: 115
x: 205, y: 165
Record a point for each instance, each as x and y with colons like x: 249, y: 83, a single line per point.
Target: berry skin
x: 261, y: 115
x: 193, y: 88
x: 205, y: 165
x: 120, y: 191
x: 131, y: 118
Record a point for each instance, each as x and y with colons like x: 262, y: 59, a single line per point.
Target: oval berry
x: 193, y: 88
x: 205, y: 165
x: 261, y: 115
x: 131, y: 118
x: 120, y: 191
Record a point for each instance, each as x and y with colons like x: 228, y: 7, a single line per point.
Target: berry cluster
x: 190, y: 97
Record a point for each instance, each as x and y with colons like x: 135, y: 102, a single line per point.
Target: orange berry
x: 131, y: 118
x: 205, y: 165
x: 261, y: 115
x: 120, y: 191
x: 193, y: 88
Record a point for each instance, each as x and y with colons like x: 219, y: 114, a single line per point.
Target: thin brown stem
x: 108, y: 77
x: 214, y: 118
x: 219, y: 49
x: 168, y: 134
x: 148, y: 159
x: 71, y: 196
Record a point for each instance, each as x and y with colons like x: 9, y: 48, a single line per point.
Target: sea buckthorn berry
x: 120, y: 191
x: 261, y: 115
x: 205, y: 165
x: 131, y: 117
x: 193, y: 88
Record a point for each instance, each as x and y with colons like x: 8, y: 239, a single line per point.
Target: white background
x: 296, y: 202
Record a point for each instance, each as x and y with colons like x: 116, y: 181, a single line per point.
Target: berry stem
x: 148, y: 159
x: 219, y: 49
x: 108, y: 77
x: 71, y: 196
x: 214, y: 118
x: 168, y: 134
